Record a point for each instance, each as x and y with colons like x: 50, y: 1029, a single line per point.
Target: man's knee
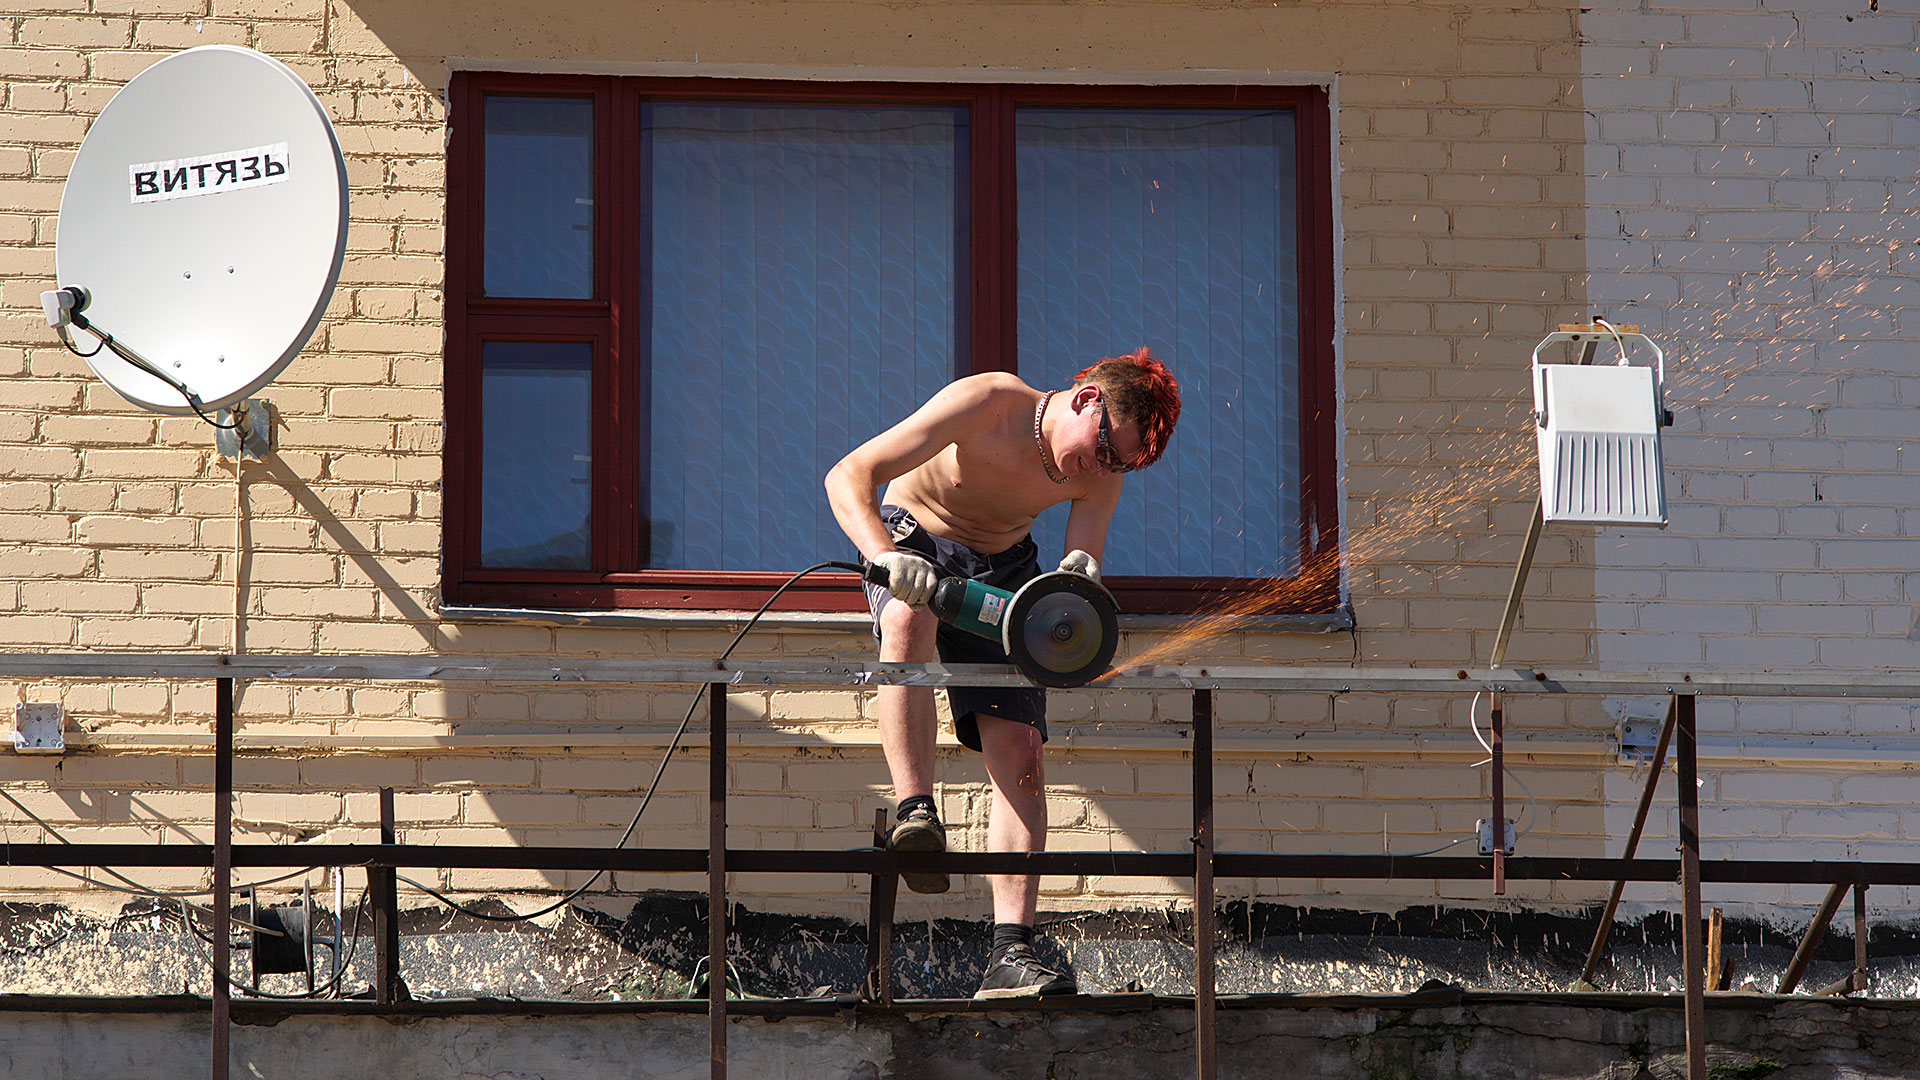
x: 907, y: 634
x: 1013, y: 752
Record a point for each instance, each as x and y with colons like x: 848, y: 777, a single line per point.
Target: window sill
x: 1334, y: 622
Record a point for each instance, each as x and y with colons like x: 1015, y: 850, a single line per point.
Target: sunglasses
x: 1103, y: 450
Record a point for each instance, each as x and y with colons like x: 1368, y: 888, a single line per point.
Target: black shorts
x: 1008, y: 570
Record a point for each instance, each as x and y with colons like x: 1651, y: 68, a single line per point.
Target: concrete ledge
x: 1441, y: 1033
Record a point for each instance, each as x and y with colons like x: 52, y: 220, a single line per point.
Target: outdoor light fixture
x: 1598, y: 433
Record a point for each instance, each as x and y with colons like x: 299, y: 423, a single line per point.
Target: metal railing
x: 1203, y: 864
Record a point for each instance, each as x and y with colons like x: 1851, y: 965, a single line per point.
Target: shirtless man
x: 966, y: 474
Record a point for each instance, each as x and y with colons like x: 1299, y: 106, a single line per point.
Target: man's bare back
x: 966, y: 465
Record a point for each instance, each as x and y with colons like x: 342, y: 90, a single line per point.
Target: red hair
x: 1141, y: 389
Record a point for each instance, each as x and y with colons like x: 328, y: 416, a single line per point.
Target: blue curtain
x: 539, y: 195
x: 806, y: 291
x: 1174, y: 229
x: 536, y: 437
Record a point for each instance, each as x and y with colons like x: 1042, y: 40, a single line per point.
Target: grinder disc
x: 1060, y: 629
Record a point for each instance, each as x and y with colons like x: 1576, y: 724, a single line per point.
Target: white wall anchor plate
x: 36, y: 729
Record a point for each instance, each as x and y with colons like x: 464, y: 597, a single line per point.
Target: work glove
x: 910, y: 578
x: 1079, y: 562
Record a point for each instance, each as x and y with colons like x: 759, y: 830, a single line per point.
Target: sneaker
x: 1019, y: 973
x: 921, y: 831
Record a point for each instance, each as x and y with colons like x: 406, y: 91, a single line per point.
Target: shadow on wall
x: 353, y: 547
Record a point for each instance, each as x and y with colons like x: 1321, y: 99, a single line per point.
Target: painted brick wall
x: 1751, y: 183
x: 1502, y: 168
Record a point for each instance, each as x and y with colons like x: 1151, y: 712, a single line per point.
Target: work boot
x: 921, y: 830
x: 1019, y: 973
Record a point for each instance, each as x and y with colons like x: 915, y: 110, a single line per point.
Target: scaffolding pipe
x: 1203, y: 863
x: 1695, y: 955
x: 1205, y: 1037
x: 1498, y: 722
x: 1817, y: 929
x: 717, y: 878
x: 882, y: 890
x: 222, y: 876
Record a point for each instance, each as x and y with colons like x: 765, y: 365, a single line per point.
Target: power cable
x: 136, y: 888
x: 1532, y: 811
x: 135, y: 359
x: 672, y: 745
x: 331, y: 985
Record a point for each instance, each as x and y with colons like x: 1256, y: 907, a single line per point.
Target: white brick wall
x: 1751, y: 186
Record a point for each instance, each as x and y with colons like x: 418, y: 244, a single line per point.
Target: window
x: 674, y: 304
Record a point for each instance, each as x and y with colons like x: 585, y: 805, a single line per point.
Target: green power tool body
x: 1060, y: 629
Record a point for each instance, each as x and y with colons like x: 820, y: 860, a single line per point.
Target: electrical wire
x: 68, y: 342
x: 1532, y: 810
x: 673, y: 744
x: 654, y: 785
x: 136, y: 888
x: 135, y: 359
x: 1618, y: 342
x: 330, y: 986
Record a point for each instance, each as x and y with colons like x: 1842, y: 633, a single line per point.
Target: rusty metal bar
x: 1817, y: 929
x: 1226, y: 864
x: 222, y: 876
x: 1859, y: 939
x: 883, y: 889
x: 384, y: 886
x: 1230, y: 864
x: 1605, y: 928
x: 1856, y: 979
x: 1716, y: 927
x: 717, y: 880
x: 1205, y: 1037
x: 586, y: 671
x: 1520, y: 571
x: 1498, y: 723
x: 1519, y: 585
x: 1694, y: 957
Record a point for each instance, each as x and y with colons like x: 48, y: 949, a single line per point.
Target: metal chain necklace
x: 1045, y: 462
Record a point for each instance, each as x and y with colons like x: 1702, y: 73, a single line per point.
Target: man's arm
x: 1088, y: 516
x: 963, y: 408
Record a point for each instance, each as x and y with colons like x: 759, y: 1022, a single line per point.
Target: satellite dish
x: 201, y: 230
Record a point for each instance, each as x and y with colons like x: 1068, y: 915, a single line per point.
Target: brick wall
x: 1501, y: 168
x: 1751, y: 190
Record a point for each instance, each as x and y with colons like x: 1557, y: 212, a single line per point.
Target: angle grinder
x: 1059, y: 629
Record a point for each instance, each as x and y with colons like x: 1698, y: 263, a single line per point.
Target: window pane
x: 536, y: 434
x: 805, y: 293
x: 539, y: 185
x: 1174, y: 229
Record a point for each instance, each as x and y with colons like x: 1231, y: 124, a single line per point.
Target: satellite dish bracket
x: 69, y: 313
x: 245, y: 430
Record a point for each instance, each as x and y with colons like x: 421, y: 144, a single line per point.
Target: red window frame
x: 612, y: 319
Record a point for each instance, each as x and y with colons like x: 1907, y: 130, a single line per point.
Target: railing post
x: 1498, y: 717
x: 1687, y: 759
x: 1860, y: 938
x: 384, y: 884
x: 222, y: 874
x: 1206, y: 1048
x: 717, y: 879
x: 883, y: 888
